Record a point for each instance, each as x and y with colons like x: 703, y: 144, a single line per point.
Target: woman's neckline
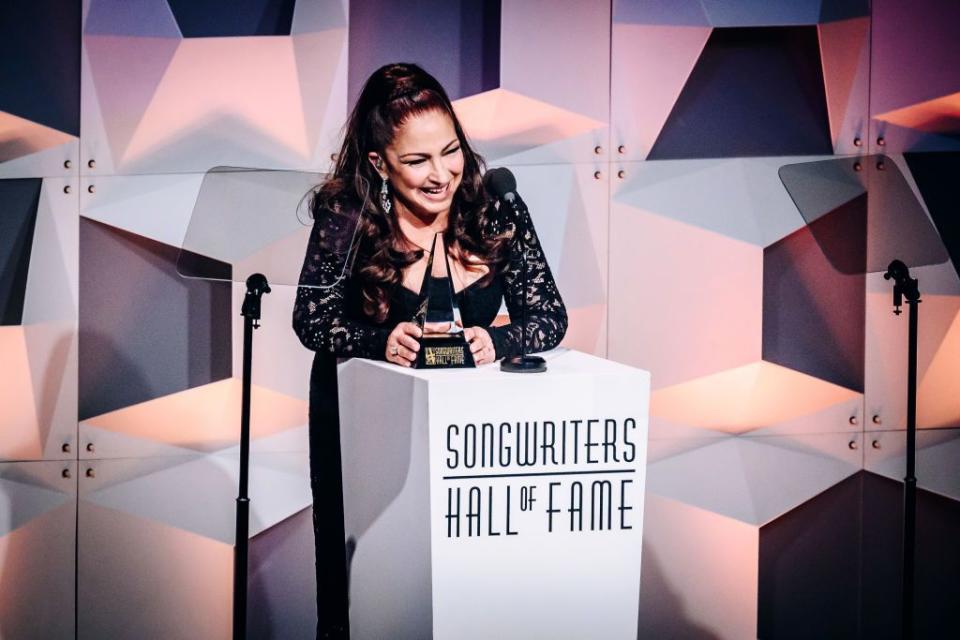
x: 456, y: 293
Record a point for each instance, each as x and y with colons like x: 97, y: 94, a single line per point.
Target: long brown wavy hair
x: 391, y: 95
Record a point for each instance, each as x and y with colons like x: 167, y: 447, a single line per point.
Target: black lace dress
x: 328, y: 319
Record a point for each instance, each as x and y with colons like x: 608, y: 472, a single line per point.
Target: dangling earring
x: 385, y: 201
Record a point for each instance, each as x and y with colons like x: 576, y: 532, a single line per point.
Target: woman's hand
x: 402, y: 344
x: 481, y: 345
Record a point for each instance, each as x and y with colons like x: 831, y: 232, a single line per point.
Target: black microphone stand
x: 522, y: 363
x: 257, y: 285
x: 907, y: 287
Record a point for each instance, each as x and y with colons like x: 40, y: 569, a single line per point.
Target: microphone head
x: 500, y: 182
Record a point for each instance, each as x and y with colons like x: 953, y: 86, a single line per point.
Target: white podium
x: 494, y: 505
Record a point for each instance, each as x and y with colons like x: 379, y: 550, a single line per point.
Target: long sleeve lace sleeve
x: 320, y: 316
x: 546, y: 313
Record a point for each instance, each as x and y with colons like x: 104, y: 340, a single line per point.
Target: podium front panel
x: 486, y: 504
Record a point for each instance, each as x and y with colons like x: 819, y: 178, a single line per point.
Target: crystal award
x: 443, y: 345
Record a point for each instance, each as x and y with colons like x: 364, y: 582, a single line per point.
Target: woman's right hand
x: 403, y: 344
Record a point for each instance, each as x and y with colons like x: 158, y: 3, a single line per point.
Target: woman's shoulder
x: 335, y: 223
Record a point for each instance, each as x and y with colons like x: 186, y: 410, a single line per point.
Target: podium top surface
x: 561, y: 362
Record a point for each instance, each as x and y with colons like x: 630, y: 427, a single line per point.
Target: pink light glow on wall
x: 206, y: 418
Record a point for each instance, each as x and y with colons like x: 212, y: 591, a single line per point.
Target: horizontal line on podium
x: 541, y: 473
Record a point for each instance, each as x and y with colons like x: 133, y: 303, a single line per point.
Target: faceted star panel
x: 20, y: 137
x: 933, y: 173
x: 183, y: 510
x: 813, y: 314
x: 750, y: 398
x: 933, y: 261
x: 503, y: 123
x: 282, y: 585
x: 30, y: 40
x: 937, y: 451
x: 938, y: 116
x: 202, y: 419
x: 845, y: 56
x: 206, y: 19
x: 158, y: 100
x: 39, y: 89
x: 467, y: 33
x: 914, y: 78
x: 704, y: 226
x: 648, y: 73
x: 703, y: 526
x: 684, y: 75
x: 500, y: 73
x: 145, y: 332
x: 20, y: 199
x: 840, y: 554
x: 38, y: 512
x: 755, y: 479
x: 38, y: 300
x: 810, y: 560
x: 720, y: 114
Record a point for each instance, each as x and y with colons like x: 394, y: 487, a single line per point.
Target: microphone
x: 500, y: 183
x: 503, y: 186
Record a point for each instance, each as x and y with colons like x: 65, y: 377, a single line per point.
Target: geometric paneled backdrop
x: 650, y: 140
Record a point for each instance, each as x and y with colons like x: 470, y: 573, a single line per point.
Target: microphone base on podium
x: 523, y: 364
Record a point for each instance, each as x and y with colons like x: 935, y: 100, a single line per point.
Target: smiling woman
x: 425, y: 165
x: 404, y: 144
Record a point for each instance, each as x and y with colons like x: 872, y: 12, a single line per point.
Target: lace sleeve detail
x: 320, y: 317
x: 546, y: 313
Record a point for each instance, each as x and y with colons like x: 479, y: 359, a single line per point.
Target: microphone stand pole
x: 907, y: 287
x: 256, y: 286
x: 522, y: 363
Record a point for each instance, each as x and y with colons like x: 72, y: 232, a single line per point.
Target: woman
x: 403, y: 147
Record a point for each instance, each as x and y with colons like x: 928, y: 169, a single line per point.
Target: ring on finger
x: 394, y: 351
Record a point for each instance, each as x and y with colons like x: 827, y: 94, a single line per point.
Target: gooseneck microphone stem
x: 501, y: 183
x: 907, y: 287
x: 523, y: 282
x: 522, y: 363
x: 256, y: 286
